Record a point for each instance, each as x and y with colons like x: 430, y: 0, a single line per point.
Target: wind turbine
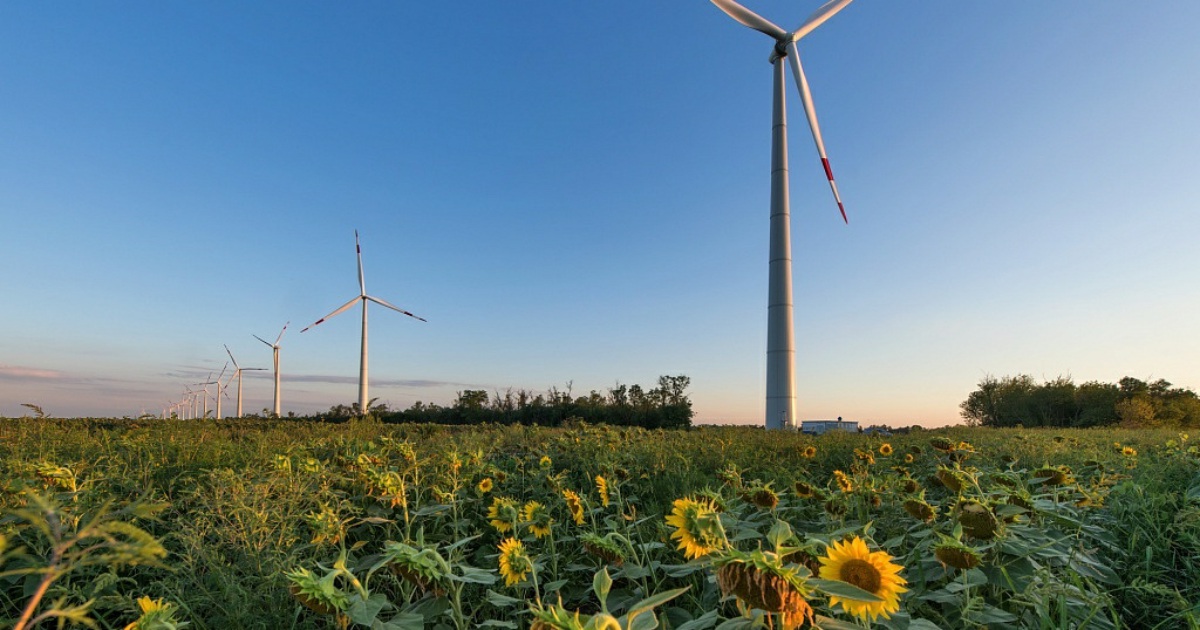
x: 364, y: 298
x: 275, y: 355
x: 205, y: 395
x: 220, y: 390
x: 781, y: 338
x: 237, y: 373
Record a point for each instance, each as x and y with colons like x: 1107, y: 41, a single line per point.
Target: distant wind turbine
x: 205, y: 395
x: 237, y: 373
x: 275, y: 356
x: 220, y: 390
x: 364, y: 298
x: 781, y: 345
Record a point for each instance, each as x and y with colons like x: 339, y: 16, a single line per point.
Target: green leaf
x: 501, y: 601
x: 922, y: 624
x: 829, y: 623
x: 648, y: 604
x: 843, y: 589
x: 492, y: 623
x: 365, y: 612
x: 473, y: 575
x: 602, y: 584
x: 707, y: 620
x: 402, y: 621
x: 550, y: 587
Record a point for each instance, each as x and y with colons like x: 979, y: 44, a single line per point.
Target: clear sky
x: 578, y: 192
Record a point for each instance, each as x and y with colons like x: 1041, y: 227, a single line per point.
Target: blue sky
x: 578, y: 192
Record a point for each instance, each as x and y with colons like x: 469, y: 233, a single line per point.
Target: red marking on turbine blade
x: 828, y: 171
x: 843, y: 209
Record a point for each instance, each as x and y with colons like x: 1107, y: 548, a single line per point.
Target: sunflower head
x: 809, y: 452
x: 514, y: 562
x: 1054, y: 475
x: 909, y: 458
x: 503, y: 514
x: 911, y: 486
x: 885, y: 449
x: 762, y: 496
x: 942, y: 444
x: 977, y: 520
x: 485, y: 485
x: 1128, y: 451
x: 949, y: 478
x: 156, y: 614
x: 952, y: 553
x: 697, y: 527
x: 764, y: 589
x: 843, y: 481
x: 602, y: 490
x: 574, y: 505
x: 872, y: 571
x: 804, y: 490
x: 538, y: 518
x: 603, y: 547
x: 545, y: 461
x: 920, y: 510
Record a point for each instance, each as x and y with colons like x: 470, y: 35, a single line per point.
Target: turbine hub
x: 780, y: 50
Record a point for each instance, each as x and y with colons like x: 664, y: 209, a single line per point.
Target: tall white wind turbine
x: 220, y: 390
x: 781, y: 344
x: 237, y: 373
x: 364, y: 298
x: 275, y: 356
x: 205, y: 395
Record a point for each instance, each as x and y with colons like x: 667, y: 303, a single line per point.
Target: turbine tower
x: 237, y: 373
x: 364, y: 298
x: 781, y: 338
x: 275, y: 355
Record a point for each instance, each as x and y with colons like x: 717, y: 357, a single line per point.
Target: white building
x: 817, y: 427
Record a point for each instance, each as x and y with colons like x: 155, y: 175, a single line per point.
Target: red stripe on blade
x: 828, y: 171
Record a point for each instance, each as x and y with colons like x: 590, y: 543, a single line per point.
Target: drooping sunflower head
x: 762, y: 496
x: 949, y: 478
x: 804, y: 490
x: 942, y: 444
x: 885, y: 449
x: 920, y: 510
x: 538, y: 518
x: 843, y: 481
x: 1054, y: 475
x: 697, y: 527
x: 977, y: 520
x: 503, y: 514
x: 764, y: 588
x: 910, y: 485
x: 514, y: 562
x: 602, y: 490
x: 574, y: 505
x: 865, y: 455
x: 872, y: 571
x: 603, y: 547
x: 952, y: 553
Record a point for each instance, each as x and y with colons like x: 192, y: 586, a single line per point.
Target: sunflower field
x: 281, y: 524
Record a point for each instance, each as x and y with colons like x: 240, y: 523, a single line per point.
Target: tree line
x: 664, y: 407
x: 1059, y: 402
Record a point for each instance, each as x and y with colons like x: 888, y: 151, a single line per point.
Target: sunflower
x: 809, y: 452
x: 503, y: 514
x: 697, y: 526
x: 514, y: 562
x: 1129, y: 451
x: 545, y: 461
x: 574, y: 505
x: 885, y: 449
x: 804, y: 490
x: 843, y: 482
x: 155, y: 614
x: 538, y: 518
x: 602, y: 489
x: 874, y: 572
x: 952, y: 553
x: 485, y: 485
x: 908, y: 458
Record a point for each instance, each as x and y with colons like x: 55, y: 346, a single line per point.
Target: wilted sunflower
x: 911, y: 486
x: 919, y: 510
x: 949, y: 478
x: 602, y: 490
x: 485, y: 485
x: 942, y: 444
x: 844, y: 483
x: 503, y: 514
x: 538, y: 518
x: 1054, y: 476
x: 804, y: 490
x: 603, y: 547
x: 977, y: 520
x: 885, y: 449
x: 574, y: 505
x: 514, y: 562
x: 762, y: 496
x: 765, y: 588
x: 697, y: 526
x: 874, y: 572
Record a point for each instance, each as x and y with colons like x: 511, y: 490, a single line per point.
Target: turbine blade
x: 749, y: 18
x: 827, y: 10
x: 811, y: 112
x: 339, y: 311
x: 235, y: 365
x: 285, y: 325
x: 263, y: 340
x: 393, y: 307
x: 362, y: 286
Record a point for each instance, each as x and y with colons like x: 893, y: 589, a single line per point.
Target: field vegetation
x: 298, y: 524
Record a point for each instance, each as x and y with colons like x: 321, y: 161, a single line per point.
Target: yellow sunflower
x: 885, y: 449
x: 538, y: 518
x: 697, y: 526
x: 809, y: 452
x: 874, y: 572
x: 843, y: 481
x: 602, y: 489
x: 514, y: 562
x: 574, y: 505
x: 485, y: 485
x: 545, y: 461
x: 503, y: 514
x: 1129, y: 451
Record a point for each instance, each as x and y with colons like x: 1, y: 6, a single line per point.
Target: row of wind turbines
x: 194, y: 402
x: 781, y: 349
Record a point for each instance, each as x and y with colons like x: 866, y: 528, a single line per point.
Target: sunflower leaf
x: 844, y: 589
